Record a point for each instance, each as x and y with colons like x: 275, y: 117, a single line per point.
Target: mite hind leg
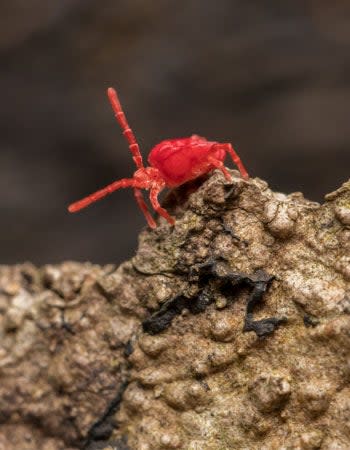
x: 155, y: 203
x: 86, y: 201
x: 236, y: 159
x: 220, y: 165
x: 142, y: 205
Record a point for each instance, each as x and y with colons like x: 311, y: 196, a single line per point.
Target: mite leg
x: 161, y: 211
x: 220, y: 165
x: 142, y: 205
x: 123, y: 183
x: 236, y: 159
x: 127, y: 131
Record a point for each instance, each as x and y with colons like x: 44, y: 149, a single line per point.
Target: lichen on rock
x: 228, y: 331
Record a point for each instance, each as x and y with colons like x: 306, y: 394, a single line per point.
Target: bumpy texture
x: 229, y: 331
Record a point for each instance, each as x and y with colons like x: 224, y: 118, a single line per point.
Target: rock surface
x: 229, y: 331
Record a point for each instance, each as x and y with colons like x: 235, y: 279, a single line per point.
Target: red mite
x: 172, y: 162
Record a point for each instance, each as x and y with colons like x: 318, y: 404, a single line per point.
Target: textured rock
x: 229, y: 330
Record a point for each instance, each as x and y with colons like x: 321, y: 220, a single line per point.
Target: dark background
x: 271, y: 77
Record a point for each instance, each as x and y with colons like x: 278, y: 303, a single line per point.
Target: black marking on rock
x: 262, y: 327
x: 201, y: 302
x: 162, y: 319
x: 310, y: 321
x: 265, y: 326
x: 259, y: 282
x: 128, y: 349
x: 103, y: 427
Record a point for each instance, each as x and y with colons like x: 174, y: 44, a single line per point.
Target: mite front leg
x: 142, y: 205
x: 236, y: 159
x: 161, y: 211
x: 120, y: 184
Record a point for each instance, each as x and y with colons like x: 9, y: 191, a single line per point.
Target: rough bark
x: 228, y: 331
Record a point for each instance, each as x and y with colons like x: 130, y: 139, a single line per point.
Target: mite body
x: 182, y: 160
x: 172, y: 163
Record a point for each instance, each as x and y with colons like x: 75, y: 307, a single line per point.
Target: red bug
x: 172, y: 162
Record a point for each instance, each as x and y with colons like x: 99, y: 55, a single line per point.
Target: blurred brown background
x: 271, y: 77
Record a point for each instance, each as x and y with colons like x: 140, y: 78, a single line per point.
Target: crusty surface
x: 77, y: 369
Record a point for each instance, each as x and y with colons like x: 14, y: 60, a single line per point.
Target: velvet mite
x: 173, y: 162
